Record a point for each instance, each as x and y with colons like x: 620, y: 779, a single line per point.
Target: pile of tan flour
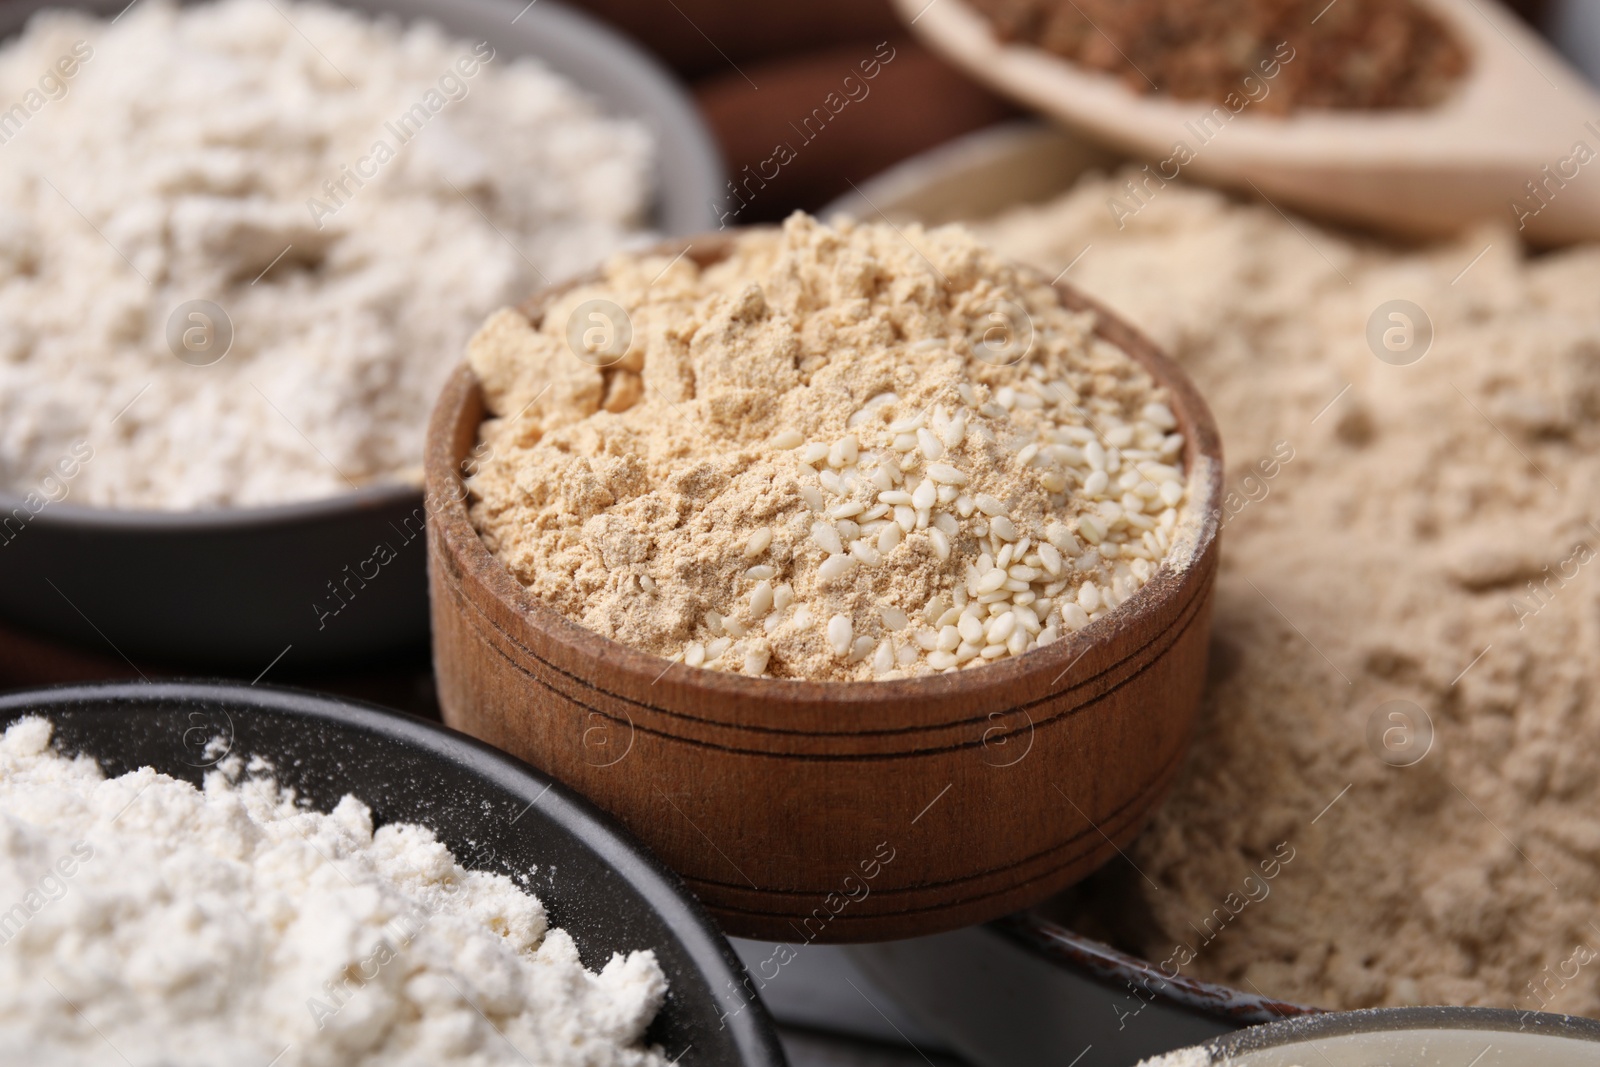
x: 1427, y: 534
x: 353, y: 195
x: 836, y: 454
x: 144, y: 921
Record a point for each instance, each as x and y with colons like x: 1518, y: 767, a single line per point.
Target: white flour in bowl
x: 143, y: 921
x: 355, y: 196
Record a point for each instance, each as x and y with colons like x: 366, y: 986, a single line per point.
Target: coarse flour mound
x: 354, y: 195
x: 838, y: 453
x: 231, y: 926
x: 1423, y: 533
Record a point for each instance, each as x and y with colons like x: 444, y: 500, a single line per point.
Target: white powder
x: 1185, y: 1057
x: 230, y: 926
x: 180, y: 160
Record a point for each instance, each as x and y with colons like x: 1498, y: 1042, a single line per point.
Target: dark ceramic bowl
x: 494, y: 813
x: 234, y: 588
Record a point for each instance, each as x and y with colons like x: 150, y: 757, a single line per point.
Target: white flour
x: 181, y: 927
x: 185, y: 153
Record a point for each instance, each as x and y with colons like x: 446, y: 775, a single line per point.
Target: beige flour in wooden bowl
x: 836, y: 454
x: 1422, y: 533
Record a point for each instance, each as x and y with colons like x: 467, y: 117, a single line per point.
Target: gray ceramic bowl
x: 1471, y: 1037
x: 234, y: 588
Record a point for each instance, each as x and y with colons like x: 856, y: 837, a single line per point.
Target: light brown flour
x: 1389, y: 559
x: 837, y: 454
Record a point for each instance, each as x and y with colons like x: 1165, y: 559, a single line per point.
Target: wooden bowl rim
x: 1203, y: 466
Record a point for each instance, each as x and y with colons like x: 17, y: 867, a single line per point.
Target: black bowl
x: 494, y: 812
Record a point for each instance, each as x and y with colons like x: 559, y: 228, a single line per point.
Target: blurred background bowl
x: 235, y: 588
x: 493, y: 812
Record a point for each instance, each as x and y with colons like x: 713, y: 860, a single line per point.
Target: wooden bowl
x: 841, y: 811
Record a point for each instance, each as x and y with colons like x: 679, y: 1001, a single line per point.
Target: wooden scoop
x: 1517, y: 139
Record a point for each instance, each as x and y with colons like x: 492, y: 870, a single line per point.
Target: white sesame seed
x: 906, y: 516
x: 695, y: 654
x: 1159, y: 415
x: 849, y: 509
x: 940, y: 542
x: 802, y: 616
x: 733, y: 627
x: 944, y: 474
x: 860, y: 648
x: 904, y: 442
x: 759, y: 542
x: 970, y: 629
x: 1003, y: 528
x: 1023, y: 573
x: 761, y: 599
x: 760, y: 572
x: 895, y: 496
x: 989, y: 505
x: 910, y: 425
x: 756, y: 657
x: 1000, y: 627
x: 1018, y: 642
x: 647, y: 583
x: 835, y: 566
x: 925, y: 494
x: 815, y: 453
x: 827, y: 537
x: 1171, y: 493
x: 883, y: 657
x: 889, y: 537
x: 848, y: 530
x: 1089, y: 596
x: 965, y: 506
x: 1096, y: 483
x: 863, y: 550
x: 1074, y: 616
x: 1091, y: 529
x: 953, y: 433
x: 1050, y: 557
x: 716, y: 648
x: 840, y: 633
x: 811, y: 496
x: 990, y: 582
x: 787, y: 439
x: 940, y: 660
x: 832, y: 483
x: 932, y: 447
